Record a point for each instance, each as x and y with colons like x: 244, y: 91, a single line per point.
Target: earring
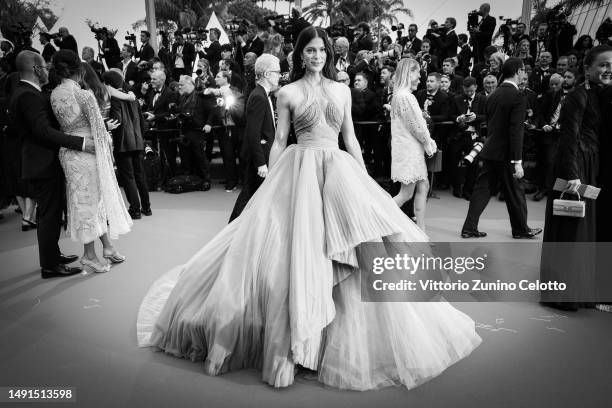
x: 303, y: 64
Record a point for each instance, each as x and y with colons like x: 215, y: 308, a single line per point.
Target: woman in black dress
x: 577, y: 162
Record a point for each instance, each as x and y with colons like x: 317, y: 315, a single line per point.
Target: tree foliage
x: 13, y: 12
x: 355, y: 11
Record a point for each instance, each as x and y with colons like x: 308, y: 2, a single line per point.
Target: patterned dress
x: 409, y: 137
x: 91, y: 190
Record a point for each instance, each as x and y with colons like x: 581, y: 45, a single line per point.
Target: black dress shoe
x: 58, y: 271
x: 527, y: 234
x: 136, y: 215
x: 457, y: 192
x: 473, y: 234
x: 27, y: 225
x: 206, y: 186
x: 539, y: 196
x: 147, y: 212
x: 66, y: 259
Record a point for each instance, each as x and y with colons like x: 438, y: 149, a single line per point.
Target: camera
x: 472, y: 21
x: 341, y: 29
x: 469, y: 158
x: 195, y: 33
x: 130, y: 37
x: 237, y: 26
x: 388, y: 54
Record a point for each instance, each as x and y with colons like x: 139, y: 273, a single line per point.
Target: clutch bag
x: 569, y: 208
x: 434, y: 163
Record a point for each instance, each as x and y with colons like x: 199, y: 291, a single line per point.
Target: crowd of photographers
x: 192, y: 91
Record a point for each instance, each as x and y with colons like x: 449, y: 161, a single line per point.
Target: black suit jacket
x: 68, y: 43
x: 31, y: 113
x: 162, y: 105
x: 414, y: 45
x: 459, y: 106
x: 371, y: 105
x: 128, y: 137
x: 256, y: 46
x: 505, y: 116
x: 145, y: 53
x: 260, y: 130
x: 448, y: 45
x: 131, y: 73
x: 487, y: 28
x: 213, y: 55
x: 48, y: 52
x: 188, y: 55
x: 439, y: 109
x: 463, y: 64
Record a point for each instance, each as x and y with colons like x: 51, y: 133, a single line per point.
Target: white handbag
x: 569, y: 208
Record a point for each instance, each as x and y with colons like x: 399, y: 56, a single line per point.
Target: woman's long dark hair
x: 307, y: 35
x: 93, y: 83
x: 64, y: 64
x: 578, y: 44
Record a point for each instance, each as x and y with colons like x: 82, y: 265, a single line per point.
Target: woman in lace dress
x: 279, y: 287
x: 95, y: 205
x: 410, y: 139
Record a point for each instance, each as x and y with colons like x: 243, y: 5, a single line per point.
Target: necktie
x: 156, y: 96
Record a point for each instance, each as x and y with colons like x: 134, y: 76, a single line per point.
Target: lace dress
x: 94, y: 202
x: 279, y: 286
x: 409, y: 136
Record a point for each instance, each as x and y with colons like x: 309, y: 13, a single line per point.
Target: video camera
x: 237, y: 26
x: 282, y: 21
x: 399, y: 28
x: 195, y: 33
x: 131, y: 37
x: 472, y: 20
x: 341, y: 29
x: 509, y: 22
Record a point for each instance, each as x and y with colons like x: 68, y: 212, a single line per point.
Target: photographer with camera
x: 213, y: 51
x: 159, y: 100
x: 362, y: 39
x: 482, y: 32
x: 541, y: 43
x: 48, y: 48
x: 8, y: 54
x: 464, y: 56
x: 447, y: 39
x: 129, y: 69
x: 253, y: 41
x: 429, y: 63
x: 412, y: 43
x: 183, y: 55
x: 520, y: 34
x: 65, y: 41
x: 296, y: 24
x: 468, y: 112
x: 109, y: 48
x: 193, y: 114
x: 145, y: 52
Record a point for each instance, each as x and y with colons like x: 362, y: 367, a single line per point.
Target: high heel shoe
x: 115, y: 257
x: 92, y: 266
x: 29, y: 225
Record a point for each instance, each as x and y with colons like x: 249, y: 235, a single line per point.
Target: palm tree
x: 355, y: 11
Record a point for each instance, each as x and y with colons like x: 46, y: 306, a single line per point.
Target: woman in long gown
x: 279, y: 286
x: 410, y: 140
x: 94, y: 201
x: 578, y: 162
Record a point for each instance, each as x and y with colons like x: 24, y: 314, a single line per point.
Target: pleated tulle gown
x: 279, y: 286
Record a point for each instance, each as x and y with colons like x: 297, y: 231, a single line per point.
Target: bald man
x: 30, y: 110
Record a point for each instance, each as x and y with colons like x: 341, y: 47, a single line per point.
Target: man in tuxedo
x: 183, y: 54
x: 541, y: 76
x: 66, y: 41
x: 213, y: 52
x: 542, y: 42
x: 343, y: 58
x: 88, y: 56
x: 362, y: 40
x: 145, y: 52
x: 448, y: 41
x: 260, y: 129
x: 253, y: 42
x: 129, y: 68
x: 468, y: 112
x: 484, y: 32
x: 412, y: 42
x: 31, y: 112
x: 110, y: 49
x: 159, y: 101
x: 448, y: 68
x: 489, y: 84
x: 48, y: 48
x: 366, y: 133
x: 464, y: 56
x: 429, y: 62
x: 501, y: 156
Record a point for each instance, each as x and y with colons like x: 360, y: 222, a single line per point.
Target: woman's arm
x: 348, y: 131
x: 283, y: 126
x: 408, y: 111
x: 115, y: 93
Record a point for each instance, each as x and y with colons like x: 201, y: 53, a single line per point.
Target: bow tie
x: 158, y: 91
